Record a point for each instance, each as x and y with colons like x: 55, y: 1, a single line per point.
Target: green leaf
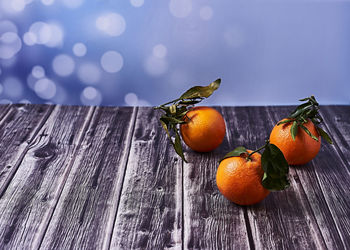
x: 300, y: 109
x: 190, y: 102
x: 308, y: 132
x: 324, y: 135
x: 304, y: 99
x: 294, y: 130
x: 178, y: 146
x: 236, y: 152
x: 201, y: 91
x: 275, y: 169
x: 285, y: 121
x: 171, y: 119
x: 172, y: 109
x: 165, y: 127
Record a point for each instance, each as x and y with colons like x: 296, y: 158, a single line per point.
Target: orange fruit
x: 239, y: 179
x: 300, y: 151
x: 205, y: 129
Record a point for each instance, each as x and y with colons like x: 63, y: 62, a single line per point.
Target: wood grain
x: 337, y: 121
x: 4, y: 108
x: 85, y: 213
x: 284, y: 219
x: 29, y: 201
x: 18, y: 127
x: 107, y: 177
x: 324, y: 181
x: 210, y: 221
x: 150, y: 210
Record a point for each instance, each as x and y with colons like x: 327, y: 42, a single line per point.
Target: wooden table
x: 106, y: 177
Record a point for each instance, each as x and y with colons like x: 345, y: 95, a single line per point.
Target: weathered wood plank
x: 85, y: 213
x: 28, y: 203
x: 284, y: 220
x: 210, y: 221
x: 4, y: 108
x: 325, y: 183
x: 150, y: 210
x: 17, y: 128
x: 337, y: 119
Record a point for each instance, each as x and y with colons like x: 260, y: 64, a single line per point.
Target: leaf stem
x: 257, y: 150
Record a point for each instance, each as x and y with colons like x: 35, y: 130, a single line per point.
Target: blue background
x: 267, y: 53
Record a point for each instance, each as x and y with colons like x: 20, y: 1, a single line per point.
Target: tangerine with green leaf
x: 245, y: 177
x: 299, y: 136
x: 204, y: 129
x: 301, y: 150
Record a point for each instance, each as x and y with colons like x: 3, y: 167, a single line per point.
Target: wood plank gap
x: 80, y: 140
x: 249, y: 229
x: 111, y: 223
x: 336, y: 145
x: 25, y: 151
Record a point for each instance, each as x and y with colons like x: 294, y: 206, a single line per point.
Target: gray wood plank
x: 325, y: 182
x: 85, y: 213
x: 284, y: 220
x: 17, y: 129
x: 337, y: 120
x: 150, y: 210
x: 4, y: 108
x: 28, y: 203
x: 211, y: 221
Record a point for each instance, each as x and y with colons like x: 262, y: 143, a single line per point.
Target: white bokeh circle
x: 89, y: 73
x: 38, y: 71
x: 137, y: 3
x: 91, y: 96
x: 112, y: 24
x: 111, y: 61
x: 63, y: 65
x: 180, y: 8
x: 206, y: 13
x: 45, y: 88
x: 79, y: 49
x: 10, y: 45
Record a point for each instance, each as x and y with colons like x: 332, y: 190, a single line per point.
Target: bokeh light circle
x: 7, y: 26
x: 89, y: 73
x: 206, y: 13
x: 112, y: 61
x: 180, y: 8
x: 47, y: 2
x: 63, y: 65
x: 29, y: 38
x: 137, y: 3
x: 112, y: 24
x: 50, y: 35
x: 91, y: 96
x: 45, y: 88
x: 10, y: 45
x: 13, y: 6
x: 131, y: 99
x: 160, y: 51
x: 38, y: 71
x: 79, y: 49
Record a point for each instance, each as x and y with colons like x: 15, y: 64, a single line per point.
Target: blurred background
x: 142, y: 52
